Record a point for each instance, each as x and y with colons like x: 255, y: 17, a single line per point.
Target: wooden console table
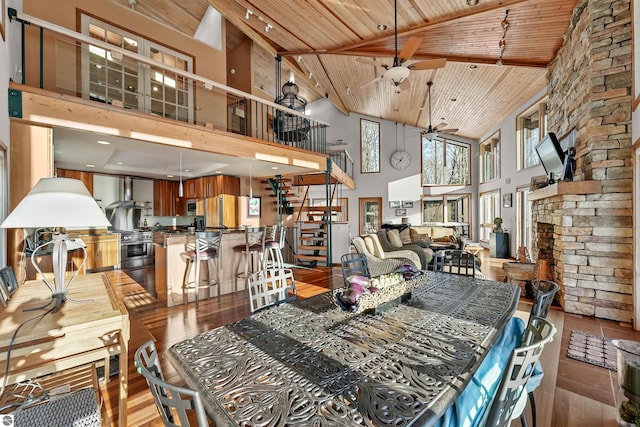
x: 78, y: 334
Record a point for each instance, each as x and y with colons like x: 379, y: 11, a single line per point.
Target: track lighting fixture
x: 248, y: 14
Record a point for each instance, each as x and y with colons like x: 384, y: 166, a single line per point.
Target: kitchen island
x: 170, y: 268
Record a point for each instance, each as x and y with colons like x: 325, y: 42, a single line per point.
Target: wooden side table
x: 521, y: 274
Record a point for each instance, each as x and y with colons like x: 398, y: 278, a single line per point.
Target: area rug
x: 592, y: 349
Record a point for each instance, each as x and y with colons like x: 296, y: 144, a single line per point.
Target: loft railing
x: 82, y: 66
x: 343, y: 160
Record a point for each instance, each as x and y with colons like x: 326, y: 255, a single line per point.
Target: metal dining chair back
x: 545, y: 290
x: 510, y: 399
x: 354, y: 264
x: 174, y: 403
x: 271, y: 286
x: 455, y: 261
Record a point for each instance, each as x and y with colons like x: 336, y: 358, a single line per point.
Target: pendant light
x: 180, y: 188
x: 250, y: 186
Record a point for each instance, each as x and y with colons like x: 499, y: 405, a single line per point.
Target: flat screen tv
x: 551, y: 155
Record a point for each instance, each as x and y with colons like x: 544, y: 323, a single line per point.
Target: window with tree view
x: 531, y: 127
x: 490, y: 158
x: 369, y: 146
x: 444, y: 162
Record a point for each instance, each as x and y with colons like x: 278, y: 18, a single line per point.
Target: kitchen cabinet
x: 209, y: 186
x: 165, y: 199
x: 102, y: 252
x: 228, y: 205
x: 228, y: 185
x: 85, y: 177
x: 193, y: 188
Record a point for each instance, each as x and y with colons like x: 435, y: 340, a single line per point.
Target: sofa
x: 429, y: 236
x: 379, y: 261
x: 391, y: 241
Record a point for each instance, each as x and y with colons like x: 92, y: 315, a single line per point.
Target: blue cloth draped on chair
x: 475, y: 399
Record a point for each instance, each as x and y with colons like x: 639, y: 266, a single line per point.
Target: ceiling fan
x: 399, y: 71
x: 437, y: 129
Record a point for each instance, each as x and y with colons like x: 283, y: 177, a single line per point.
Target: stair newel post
x: 329, y: 207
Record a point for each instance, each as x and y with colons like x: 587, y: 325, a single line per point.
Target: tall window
x: 489, y: 210
x: 369, y: 146
x: 490, y: 158
x: 444, y: 162
x: 4, y: 202
x: 109, y: 76
x: 451, y: 209
x: 530, y: 127
x: 523, y: 218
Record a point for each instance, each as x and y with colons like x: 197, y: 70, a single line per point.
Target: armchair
x: 379, y: 261
x: 424, y: 253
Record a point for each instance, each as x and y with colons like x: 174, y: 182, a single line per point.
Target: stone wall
x: 590, y: 90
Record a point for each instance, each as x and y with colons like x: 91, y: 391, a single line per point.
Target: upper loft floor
x: 115, y: 81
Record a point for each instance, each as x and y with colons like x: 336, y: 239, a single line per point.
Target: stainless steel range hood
x: 125, y: 214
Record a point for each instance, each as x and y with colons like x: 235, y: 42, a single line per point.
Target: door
x: 370, y: 214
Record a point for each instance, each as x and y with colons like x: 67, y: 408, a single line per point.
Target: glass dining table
x: 309, y: 363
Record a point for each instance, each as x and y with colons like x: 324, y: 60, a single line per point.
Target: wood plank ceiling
x: 324, y: 38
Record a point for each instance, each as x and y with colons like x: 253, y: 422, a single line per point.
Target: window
x: 523, y: 217
x: 369, y: 146
x: 109, y: 76
x: 489, y: 210
x: 490, y: 158
x: 444, y: 162
x: 451, y: 209
x: 530, y: 127
x: 370, y: 209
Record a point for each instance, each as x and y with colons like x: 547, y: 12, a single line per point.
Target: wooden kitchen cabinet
x: 102, y: 252
x: 193, y: 188
x: 165, y: 199
x: 210, y: 186
x: 228, y: 185
x: 85, y: 177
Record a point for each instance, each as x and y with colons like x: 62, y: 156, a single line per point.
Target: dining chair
x: 456, y: 261
x: 250, y: 254
x: 204, y: 247
x: 510, y: 400
x: 170, y: 400
x: 544, y: 290
x: 354, y: 264
x: 271, y: 286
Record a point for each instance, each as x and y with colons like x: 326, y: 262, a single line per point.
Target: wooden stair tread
x: 311, y: 257
x: 312, y: 247
x: 321, y: 209
x: 312, y: 238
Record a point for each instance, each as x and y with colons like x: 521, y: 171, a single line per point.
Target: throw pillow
x: 405, y: 236
x: 394, y: 238
x: 369, y: 244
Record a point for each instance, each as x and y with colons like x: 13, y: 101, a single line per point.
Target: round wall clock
x: 400, y: 159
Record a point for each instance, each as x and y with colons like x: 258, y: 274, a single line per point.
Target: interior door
x: 370, y: 214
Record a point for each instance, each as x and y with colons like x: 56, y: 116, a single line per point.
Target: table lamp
x: 57, y: 203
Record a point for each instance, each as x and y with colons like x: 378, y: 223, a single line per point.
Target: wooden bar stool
x: 204, y: 247
x: 251, y: 254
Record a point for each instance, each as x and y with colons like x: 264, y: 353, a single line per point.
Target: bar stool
x: 203, y: 247
x: 273, y: 244
x: 251, y: 254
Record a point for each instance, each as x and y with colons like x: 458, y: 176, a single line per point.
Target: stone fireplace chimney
x: 589, y: 84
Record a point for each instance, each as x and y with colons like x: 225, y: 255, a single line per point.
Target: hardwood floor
x: 572, y: 393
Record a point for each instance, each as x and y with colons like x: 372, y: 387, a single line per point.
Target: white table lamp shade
x: 57, y: 202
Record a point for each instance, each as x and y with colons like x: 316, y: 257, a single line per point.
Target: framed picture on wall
x: 3, y: 8
x: 401, y: 212
x: 254, y: 206
x: 394, y: 205
x: 407, y: 204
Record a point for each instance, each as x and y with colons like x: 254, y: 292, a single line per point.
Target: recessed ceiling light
x: 104, y: 142
x: 274, y: 168
x: 169, y: 176
x: 472, y: 2
x: 90, y: 166
x: 382, y: 27
x: 473, y: 66
x: 218, y: 171
x: 119, y: 163
x: 186, y: 170
x: 453, y: 99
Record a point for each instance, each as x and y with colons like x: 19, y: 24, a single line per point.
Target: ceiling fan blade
x: 371, y: 82
x: 440, y: 126
x: 410, y: 48
x: 452, y: 130
x: 372, y: 62
x: 405, y: 84
x: 428, y: 64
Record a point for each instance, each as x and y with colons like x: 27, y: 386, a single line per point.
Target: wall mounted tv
x: 551, y: 155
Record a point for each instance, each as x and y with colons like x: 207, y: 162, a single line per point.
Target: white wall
x: 510, y: 178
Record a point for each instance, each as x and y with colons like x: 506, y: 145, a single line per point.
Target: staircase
x: 282, y: 194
